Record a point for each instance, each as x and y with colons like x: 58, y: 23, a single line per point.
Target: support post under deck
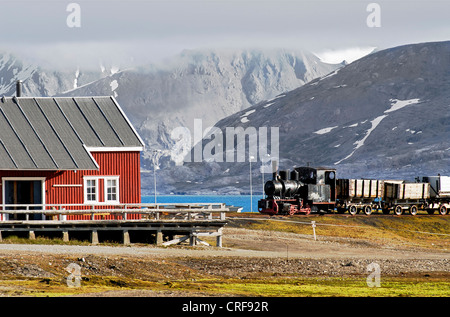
x: 94, y: 237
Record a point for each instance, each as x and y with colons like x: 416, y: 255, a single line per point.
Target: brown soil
x: 142, y: 270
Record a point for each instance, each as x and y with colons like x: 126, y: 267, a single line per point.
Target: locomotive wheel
x: 413, y: 210
x: 442, y: 210
x: 398, y: 210
x: 367, y: 210
x: 353, y: 210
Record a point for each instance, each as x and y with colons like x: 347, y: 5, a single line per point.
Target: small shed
x: 64, y: 150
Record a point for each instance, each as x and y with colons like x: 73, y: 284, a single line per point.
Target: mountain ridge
x: 201, y: 84
x: 40, y: 81
x: 383, y: 116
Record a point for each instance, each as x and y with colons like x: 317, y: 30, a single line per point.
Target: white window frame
x: 105, y: 189
x: 105, y: 185
x: 85, y: 193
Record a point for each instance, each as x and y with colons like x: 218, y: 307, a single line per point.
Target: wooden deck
x: 163, y: 224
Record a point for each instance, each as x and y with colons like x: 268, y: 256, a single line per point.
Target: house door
x: 27, y: 192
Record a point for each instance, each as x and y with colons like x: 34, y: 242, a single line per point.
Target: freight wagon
x: 405, y: 196
x: 439, y: 193
x: 357, y: 195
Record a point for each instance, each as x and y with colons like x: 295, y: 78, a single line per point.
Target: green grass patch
x: 342, y: 287
x: 42, y: 240
x: 266, y: 287
x: 48, y: 287
x: 421, y: 231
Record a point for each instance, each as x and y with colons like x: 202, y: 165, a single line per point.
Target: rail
x: 144, y: 211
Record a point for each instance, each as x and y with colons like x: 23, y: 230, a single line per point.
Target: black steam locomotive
x: 308, y: 190
x: 302, y: 190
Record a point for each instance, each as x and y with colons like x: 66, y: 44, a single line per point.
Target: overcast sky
x: 146, y: 30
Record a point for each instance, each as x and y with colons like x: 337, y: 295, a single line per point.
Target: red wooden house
x: 65, y: 150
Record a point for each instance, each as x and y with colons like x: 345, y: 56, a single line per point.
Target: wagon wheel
x: 398, y: 210
x: 367, y: 210
x: 353, y: 210
x: 442, y: 210
x: 413, y: 210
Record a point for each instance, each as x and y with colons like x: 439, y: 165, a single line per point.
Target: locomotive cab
x: 321, y: 183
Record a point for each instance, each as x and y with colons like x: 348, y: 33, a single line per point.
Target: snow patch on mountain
x: 75, y: 81
x: 328, y: 75
x: 325, y: 130
x: 374, y: 123
x: 244, y: 118
x: 114, y: 85
x: 396, y: 104
x: 399, y: 104
x: 248, y: 113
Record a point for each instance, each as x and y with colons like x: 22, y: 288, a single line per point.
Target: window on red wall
x: 111, y: 189
x: 92, y: 189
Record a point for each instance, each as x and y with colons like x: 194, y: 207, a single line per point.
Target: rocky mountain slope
x: 386, y: 115
x: 201, y: 84
x: 41, y: 81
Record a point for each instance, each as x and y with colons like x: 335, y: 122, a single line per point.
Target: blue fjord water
x: 247, y: 202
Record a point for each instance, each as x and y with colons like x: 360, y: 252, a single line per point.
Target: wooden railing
x: 146, y: 211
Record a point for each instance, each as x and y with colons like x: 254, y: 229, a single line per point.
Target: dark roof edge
x: 128, y: 121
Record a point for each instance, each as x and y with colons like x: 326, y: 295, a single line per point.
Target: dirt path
x: 247, y: 243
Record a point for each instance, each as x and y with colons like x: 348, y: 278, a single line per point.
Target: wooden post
x: 31, y: 235
x: 126, y: 237
x: 313, y: 223
x: 219, y: 238
x: 191, y: 240
x: 65, y: 236
x: 1, y: 239
x: 159, y: 237
x: 94, y: 237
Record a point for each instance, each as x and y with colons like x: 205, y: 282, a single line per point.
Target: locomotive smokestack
x: 274, y: 170
x: 19, y: 88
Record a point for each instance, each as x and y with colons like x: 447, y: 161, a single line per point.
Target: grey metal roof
x: 48, y: 133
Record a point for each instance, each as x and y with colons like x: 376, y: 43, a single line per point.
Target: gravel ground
x: 253, y: 251
x: 247, y: 243
x: 248, y: 254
